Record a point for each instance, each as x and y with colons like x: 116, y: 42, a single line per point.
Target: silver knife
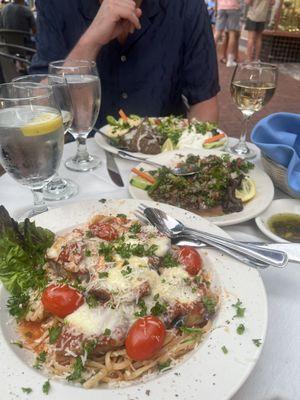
x: 291, y: 249
x: 113, y: 169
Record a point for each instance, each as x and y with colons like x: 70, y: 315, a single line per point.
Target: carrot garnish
x: 123, y: 115
x: 143, y: 175
x: 214, y: 138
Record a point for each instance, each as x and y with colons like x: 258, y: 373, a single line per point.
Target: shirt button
x: 124, y: 95
x: 123, y: 58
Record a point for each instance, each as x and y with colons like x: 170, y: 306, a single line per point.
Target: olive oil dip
x: 286, y: 226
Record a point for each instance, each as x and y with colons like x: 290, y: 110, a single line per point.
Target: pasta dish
x: 107, y: 302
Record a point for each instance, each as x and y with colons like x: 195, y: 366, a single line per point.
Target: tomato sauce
x: 31, y: 331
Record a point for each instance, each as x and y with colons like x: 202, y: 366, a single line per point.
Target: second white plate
x: 263, y: 198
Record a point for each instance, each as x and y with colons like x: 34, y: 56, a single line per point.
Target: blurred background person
x: 255, y: 24
x: 228, y: 17
x: 17, y: 16
x: 211, y: 8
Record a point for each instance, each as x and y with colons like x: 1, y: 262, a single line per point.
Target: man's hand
x: 114, y: 18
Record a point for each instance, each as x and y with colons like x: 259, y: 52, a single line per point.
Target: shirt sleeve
x: 200, y: 67
x: 51, y: 44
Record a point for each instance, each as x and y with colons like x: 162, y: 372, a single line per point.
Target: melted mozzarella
x: 172, y: 286
x: 94, y: 321
x: 163, y: 245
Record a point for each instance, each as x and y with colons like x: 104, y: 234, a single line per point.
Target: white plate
x: 104, y: 144
x: 206, y: 373
x: 264, y: 188
x: 277, y: 207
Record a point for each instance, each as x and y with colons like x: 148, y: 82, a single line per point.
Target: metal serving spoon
x: 252, y: 255
x: 175, y: 171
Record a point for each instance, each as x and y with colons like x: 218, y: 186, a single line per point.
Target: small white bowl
x: 282, y: 206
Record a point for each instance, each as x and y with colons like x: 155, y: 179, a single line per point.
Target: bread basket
x: 279, y: 175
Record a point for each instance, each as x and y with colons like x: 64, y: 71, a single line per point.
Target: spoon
x: 253, y: 255
x: 175, y: 171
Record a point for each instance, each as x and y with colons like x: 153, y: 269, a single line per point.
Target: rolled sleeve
x: 200, y: 67
x: 51, y: 44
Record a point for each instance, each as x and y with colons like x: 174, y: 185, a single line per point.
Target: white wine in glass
x: 252, y: 86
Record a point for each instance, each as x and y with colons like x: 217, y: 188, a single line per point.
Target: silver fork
x: 255, y: 256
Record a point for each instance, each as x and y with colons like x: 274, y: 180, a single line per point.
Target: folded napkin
x: 278, y: 137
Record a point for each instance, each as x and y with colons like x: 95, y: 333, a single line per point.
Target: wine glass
x: 85, y: 91
x: 32, y: 136
x: 58, y: 188
x: 252, y: 87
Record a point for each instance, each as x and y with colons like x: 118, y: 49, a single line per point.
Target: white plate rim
x: 103, y: 143
x: 263, y: 198
x: 239, y: 362
x: 261, y: 223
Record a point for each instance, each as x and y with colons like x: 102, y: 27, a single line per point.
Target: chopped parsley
x: 209, y: 304
x: 239, y: 311
x: 26, y: 390
x: 18, y: 305
x: 240, y: 329
x: 88, y: 234
x: 92, y: 301
x: 46, y: 387
x: 107, y: 332
x: 163, y: 366
x: 126, y: 271
x: 188, y: 331
x: 102, y: 275
x: 156, y: 296
x: 54, y: 333
x: 158, y: 309
x: 41, y: 358
x: 124, y: 216
x: 89, y: 347
x: 135, y: 228
x: 78, y: 369
x: 169, y: 261
x: 88, y: 253
x: 198, y: 279
x: 143, y: 309
x: 257, y: 342
x: 224, y: 349
x: 106, y: 249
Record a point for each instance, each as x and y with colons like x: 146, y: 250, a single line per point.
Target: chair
x: 19, y: 38
x: 14, y: 60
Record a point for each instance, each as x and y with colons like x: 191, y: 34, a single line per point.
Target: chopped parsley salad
x: 221, y: 186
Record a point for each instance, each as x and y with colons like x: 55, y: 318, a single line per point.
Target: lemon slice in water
x: 167, y: 146
x: 44, y: 123
x: 247, y: 190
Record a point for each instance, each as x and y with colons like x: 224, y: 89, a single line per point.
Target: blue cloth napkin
x: 278, y: 137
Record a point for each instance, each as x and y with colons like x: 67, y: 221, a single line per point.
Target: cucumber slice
x: 140, y: 183
x: 214, y: 144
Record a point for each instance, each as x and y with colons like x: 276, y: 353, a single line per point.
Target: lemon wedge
x: 44, y: 123
x: 167, y: 146
x: 247, y: 190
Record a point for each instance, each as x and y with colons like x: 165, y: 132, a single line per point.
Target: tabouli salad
x: 221, y: 185
x: 110, y: 301
x: 156, y: 135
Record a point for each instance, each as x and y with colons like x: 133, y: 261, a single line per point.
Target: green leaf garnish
x: 40, y: 359
x: 257, y: 342
x: 54, y: 333
x: 224, y: 349
x: 240, y: 329
x: 26, y: 390
x: 158, y: 309
x: 240, y: 311
x: 107, y: 332
x: 164, y: 366
x: 46, y: 387
x: 78, y: 369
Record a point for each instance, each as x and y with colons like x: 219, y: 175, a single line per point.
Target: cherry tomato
x: 145, y: 337
x: 191, y: 259
x: 71, y: 252
x: 61, y: 300
x: 104, y: 231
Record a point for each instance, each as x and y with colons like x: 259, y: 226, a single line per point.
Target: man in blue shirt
x: 151, y: 54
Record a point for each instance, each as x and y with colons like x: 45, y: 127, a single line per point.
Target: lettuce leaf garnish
x: 22, y: 256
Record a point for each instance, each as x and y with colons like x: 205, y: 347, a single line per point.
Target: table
x: 276, y: 375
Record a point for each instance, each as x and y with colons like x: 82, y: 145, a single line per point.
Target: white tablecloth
x: 276, y: 375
